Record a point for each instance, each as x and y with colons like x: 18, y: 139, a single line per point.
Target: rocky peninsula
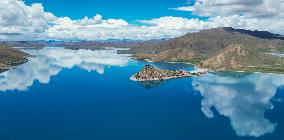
x: 150, y: 73
x: 10, y: 57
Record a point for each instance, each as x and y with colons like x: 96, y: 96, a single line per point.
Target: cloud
x: 183, y: 25
x: 33, y: 23
x: 252, y: 14
x: 16, y: 17
x: 49, y: 62
x: 250, y: 8
x: 184, y: 8
x: 19, y: 21
x: 245, y: 106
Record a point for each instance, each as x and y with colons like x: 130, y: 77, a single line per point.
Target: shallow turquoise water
x: 70, y: 95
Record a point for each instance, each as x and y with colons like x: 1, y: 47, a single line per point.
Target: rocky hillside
x: 10, y: 57
x: 238, y: 57
x: 209, y: 42
x: 219, y: 48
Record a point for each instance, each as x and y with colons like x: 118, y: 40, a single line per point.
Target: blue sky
x: 129, y: 10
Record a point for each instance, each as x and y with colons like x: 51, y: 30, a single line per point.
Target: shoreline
x: 157, y: 79
x: 271, y: 69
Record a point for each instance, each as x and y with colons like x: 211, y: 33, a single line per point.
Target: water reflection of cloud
x: 49, y: 62
x: 243, y: 100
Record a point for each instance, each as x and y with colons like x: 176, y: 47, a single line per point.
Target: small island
x: 150, y: 73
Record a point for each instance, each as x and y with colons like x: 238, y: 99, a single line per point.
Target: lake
x: 81, y: 95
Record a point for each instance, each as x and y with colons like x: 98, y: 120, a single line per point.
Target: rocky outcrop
x: 150, y: 73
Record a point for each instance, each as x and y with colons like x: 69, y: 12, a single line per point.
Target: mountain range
x: 220, y: 49
x: 217, y: 49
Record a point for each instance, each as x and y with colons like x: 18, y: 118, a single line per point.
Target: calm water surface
x: 81, y: 95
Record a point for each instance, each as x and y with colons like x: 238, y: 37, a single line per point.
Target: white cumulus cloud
x: 266, y: 15
x: 17, y: 17
x: 19, y: 21
x: 250, y: 8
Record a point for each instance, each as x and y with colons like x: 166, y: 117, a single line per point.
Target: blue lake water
x: 81, y: 95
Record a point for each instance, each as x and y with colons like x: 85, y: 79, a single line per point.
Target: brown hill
x: 206, y: 43
x: 238, y: 57
x: 219, y: 48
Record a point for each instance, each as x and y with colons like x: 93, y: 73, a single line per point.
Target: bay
x: 82, y: 94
